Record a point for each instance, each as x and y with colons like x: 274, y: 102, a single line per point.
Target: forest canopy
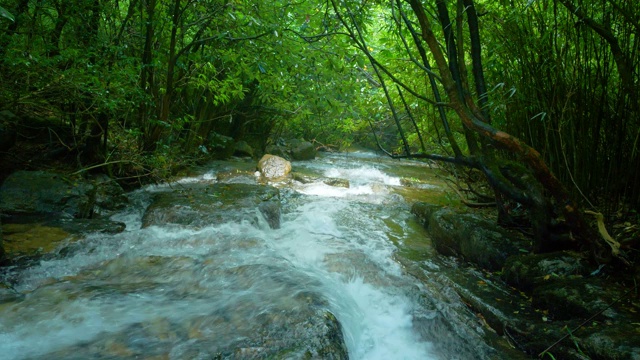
x: 538, y: 97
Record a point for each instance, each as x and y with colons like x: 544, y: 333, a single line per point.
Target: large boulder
x: 468, y: 236
x: 109, y: 195
x: 46, y: 193
x: 241, y: 148
x: 302, y: 150
x: 277, y: 150
x: 273, y: 167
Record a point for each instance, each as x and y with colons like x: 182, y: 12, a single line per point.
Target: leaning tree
x: 515, y: 171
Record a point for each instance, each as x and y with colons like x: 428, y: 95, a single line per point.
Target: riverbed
x: 216, y: 289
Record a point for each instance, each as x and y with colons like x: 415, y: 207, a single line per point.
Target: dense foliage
x: 140, y: 86
x: 116, y: 79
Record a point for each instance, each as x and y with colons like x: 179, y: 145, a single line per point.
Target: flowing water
x: 181, y: 292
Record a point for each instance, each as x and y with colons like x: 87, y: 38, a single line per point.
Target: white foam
x: 379, y: 325
x: 374, y: 311
x: 362, y: 175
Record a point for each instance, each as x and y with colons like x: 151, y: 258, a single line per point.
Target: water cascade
x: 236, y: 288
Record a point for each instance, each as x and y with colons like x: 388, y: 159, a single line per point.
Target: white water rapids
x: 333, y: 241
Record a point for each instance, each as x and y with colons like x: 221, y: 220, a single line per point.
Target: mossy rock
x: 302, y: 150
x: 526, y: 270
x: 578, y: 298
x: 42, y: 192
x: 472, y: 238
x: 423, y: 212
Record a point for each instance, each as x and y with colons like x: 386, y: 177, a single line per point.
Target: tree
x: 515, y: 170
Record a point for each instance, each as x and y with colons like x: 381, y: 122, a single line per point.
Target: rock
x: 423, y: 212
x: 87, y: 226
x: 344, y: 183
x: 199, y: 205
x: 273, y: 167
x: 41, y: 192
x: 109, y: 195
x: 219, y: 146
x: 241, y: 148
x: 474, y: 239
x: 305, y: 179
x: 302, y: 150
x: 223, y: 310
x: 576, y: 298
x: 276, y: 150
x: 237, y: 177
x: 526, y: 270
x: 32, y: 239
x: 613, y: 343
x: 7, y: 132
x: 562, y: 291
x: 271, y: 212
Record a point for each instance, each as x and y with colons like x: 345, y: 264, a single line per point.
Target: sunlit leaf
x: 6, y: 14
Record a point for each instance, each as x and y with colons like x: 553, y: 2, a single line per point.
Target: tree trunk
x: 529, y: 156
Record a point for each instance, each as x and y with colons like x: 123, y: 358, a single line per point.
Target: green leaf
x: 5, y: 14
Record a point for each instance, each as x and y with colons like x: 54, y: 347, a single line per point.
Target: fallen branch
x: 464, y: 200
x: 615, y: 246
x: 103, y: 164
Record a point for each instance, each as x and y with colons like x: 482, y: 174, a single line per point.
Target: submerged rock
x: 344, y: 183
x: 200, y: 205
x: 271, y: 212
x: 252, y: 311
x: 303, y: 178
x: 273, y: 167
x: 237, y: 177
x: 33, y: 240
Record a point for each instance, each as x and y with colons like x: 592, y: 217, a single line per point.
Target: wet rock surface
x: 533, y: 300
x: 526, y: 271
x: 284, y: 322
x: 292, y: 149
x: 109, y: 195
x: 302, y: 150
x: 470, y: 237
x: 30, y: 241
x: 43, y: 210
x: 41, y: 192
x: 199, y: 205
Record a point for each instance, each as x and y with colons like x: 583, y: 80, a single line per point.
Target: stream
x: 237, y: 288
